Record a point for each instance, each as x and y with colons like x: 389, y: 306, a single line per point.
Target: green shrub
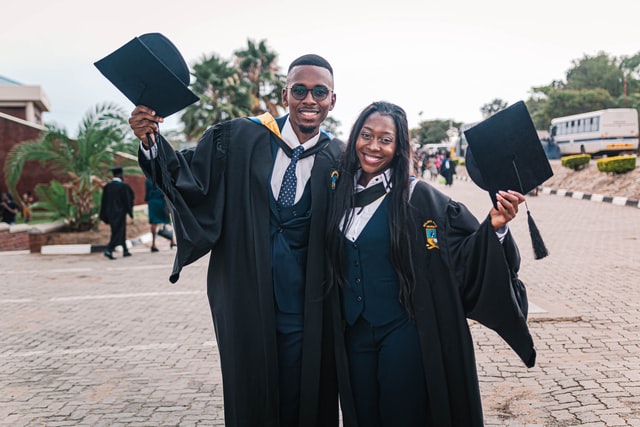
x: 575, y: 162
x: 617, y: 164
x: 76, y: 205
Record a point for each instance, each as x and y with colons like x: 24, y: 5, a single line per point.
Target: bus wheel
x: 582, y: 150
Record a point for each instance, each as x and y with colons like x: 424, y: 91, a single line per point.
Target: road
x: 90, y: 342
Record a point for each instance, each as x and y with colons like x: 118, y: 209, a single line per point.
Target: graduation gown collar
x: 276, y: 126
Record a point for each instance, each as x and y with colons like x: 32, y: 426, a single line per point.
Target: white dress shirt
x: 364, y: 214
x: 303, y: 167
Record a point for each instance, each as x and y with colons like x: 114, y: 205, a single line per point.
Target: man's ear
x: 333, y: 101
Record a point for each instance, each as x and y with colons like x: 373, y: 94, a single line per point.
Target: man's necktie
x: 289, y: 181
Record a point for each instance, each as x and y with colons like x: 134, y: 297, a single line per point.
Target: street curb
x: 87, y: 248
x: 620, y: 201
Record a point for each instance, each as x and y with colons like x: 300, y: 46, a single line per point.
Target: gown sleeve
x: 487, y: 273
x: 193, y: 181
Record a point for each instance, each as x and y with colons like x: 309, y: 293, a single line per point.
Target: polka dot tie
x: 289, y: 181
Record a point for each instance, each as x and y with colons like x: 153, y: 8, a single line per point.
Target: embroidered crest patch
x: 431, y: 234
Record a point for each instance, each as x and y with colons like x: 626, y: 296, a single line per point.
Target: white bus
x: 610, y: 131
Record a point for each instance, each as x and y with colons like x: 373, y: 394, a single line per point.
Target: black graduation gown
x: 115, y: 205
x: 219, y: 192
x: 470, y: 274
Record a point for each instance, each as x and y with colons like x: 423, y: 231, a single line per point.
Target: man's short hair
x: 311, y: 59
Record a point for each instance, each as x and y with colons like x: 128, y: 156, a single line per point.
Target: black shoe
x: 154, y: 249
x: 109, y: 254
x: 127, y: 253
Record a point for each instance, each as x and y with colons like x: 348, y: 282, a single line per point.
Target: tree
x: 258, y: 66
x: 224, y: 95
x: 248, y: 85
x: 332, y: 126
x: 568, y: 102
x: 596, y: 72
x: 103, y: 131
x: 630, y: 67
x: 432, y: 131
x: 493, y: 107
x: 539, y: 115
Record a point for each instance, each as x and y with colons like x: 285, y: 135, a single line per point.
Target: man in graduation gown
x: 267, y: 268
x: 117, y: 203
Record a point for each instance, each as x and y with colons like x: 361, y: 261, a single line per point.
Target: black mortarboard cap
x: 149, y: 70
x: 505, y: 153
x: 116, y: 170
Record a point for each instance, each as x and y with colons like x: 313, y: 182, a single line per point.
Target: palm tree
x: 258, y: 65
x: 223, y: 96
x: 103, y: 131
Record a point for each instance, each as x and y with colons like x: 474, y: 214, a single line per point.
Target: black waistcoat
x: 289, y: 232
x: 372, y: 290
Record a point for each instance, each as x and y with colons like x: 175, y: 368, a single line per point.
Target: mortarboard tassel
x: 539, y: 249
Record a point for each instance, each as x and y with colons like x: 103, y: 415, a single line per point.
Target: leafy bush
x: 575, y: 162
x: 77, y: 206
x: 618, y: 164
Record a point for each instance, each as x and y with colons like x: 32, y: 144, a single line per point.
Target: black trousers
x: 118, y: 233
x: 387, y: 375
x: 289, y: 336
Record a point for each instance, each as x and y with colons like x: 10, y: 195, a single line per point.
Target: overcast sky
x: 437, y: 59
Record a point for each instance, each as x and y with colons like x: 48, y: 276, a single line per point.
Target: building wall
x: 12, y: 133
x: 138, y: 187
x: 18, y: 112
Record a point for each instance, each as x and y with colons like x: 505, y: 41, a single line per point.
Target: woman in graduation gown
x: 412, y: 266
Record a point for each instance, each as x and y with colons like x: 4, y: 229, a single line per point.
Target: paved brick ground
x: 85, y: 341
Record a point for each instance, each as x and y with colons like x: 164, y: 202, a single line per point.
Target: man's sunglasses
x: 299, y: 92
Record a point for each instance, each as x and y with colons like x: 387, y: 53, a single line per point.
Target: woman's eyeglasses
x: 319, y: 93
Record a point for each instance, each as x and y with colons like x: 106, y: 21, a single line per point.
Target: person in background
x: 447, y: 168
x: 27, y: 201
x: 246, y: 193
x: 9, y: 208
x: 117, y: 203
x: 431, y: 166
x: 412, y: 265
x: 158, y: 212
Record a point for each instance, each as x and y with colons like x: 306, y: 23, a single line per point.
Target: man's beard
x: 307, y: 129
